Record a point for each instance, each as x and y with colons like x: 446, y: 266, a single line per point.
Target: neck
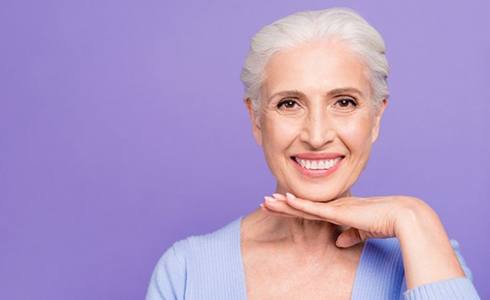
x: 305, y: 233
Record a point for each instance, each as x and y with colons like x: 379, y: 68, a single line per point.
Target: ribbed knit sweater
x: 210, y: 267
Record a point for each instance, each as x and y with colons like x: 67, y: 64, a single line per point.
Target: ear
x: 377, y: 121
x: 254, y: 118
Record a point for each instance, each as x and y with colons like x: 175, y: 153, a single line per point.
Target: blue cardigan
x: 209, y: 266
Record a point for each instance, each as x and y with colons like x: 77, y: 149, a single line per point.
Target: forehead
x: 315, y: 67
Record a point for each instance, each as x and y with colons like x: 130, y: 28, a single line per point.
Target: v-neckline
x: 243, y: 284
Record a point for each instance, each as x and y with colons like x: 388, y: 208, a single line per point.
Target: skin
x: 320, y: 218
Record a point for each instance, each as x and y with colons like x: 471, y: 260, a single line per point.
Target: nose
x: 318, y: 128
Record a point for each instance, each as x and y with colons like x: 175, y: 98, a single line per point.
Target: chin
x: 320, y: 196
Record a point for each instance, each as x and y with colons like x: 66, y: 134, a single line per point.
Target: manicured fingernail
x: 269, y: 199
x: 278, y: 196
x: 290, y: 196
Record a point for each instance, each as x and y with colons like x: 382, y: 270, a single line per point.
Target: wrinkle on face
x: 316, y: 75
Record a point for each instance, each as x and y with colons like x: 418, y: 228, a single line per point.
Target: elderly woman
x: 316, y: 89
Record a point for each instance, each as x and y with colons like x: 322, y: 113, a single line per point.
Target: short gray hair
x: 343, y: 24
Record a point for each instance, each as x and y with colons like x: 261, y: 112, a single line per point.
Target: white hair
x: 342, y: 24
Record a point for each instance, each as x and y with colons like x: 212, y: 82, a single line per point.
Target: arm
x: 454, y: 288
x: 168, y: 279
x: 427, y: 253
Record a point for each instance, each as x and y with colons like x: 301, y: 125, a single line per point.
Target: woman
x: 316, y: 90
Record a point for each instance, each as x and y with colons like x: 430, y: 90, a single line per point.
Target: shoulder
x: 217, y: 240
x: 182, y: 250
x: 169, y: 275
x: 189, y: 257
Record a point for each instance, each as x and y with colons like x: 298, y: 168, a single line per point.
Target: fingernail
x: 269, y: 199
x: 290, y: 196
x: 278, y: 196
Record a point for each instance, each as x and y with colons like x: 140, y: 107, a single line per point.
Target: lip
x: 317, y: 173
x: 319, y: 156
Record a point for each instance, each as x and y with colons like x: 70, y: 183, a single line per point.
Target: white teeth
x: 317, y: 164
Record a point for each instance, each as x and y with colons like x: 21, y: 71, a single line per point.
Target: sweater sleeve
x: 169, y: 275
x: 453, y: 288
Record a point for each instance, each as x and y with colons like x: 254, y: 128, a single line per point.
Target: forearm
x: 427, y: 252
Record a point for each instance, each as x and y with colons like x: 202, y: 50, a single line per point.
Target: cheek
x: 356, y: 133
x: 270, y: 143
x: 279, y: 134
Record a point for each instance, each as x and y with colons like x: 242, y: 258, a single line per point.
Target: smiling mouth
x: 317, y: 164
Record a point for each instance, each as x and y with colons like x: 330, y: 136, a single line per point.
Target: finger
x: 268, y: 211
x: 326, y: 211
x: 299, y: 213
x: 349, y: 238
x: 283, y: 207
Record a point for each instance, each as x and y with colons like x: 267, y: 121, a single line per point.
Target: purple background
x: 123, y: 130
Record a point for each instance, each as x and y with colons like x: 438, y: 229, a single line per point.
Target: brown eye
x: 287, y: 104
x: 346, y: 104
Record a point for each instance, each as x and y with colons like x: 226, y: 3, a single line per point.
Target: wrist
x: 416, y: 217
x: 427, y: 252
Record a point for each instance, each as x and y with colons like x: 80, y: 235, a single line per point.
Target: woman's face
x: 316, y: 101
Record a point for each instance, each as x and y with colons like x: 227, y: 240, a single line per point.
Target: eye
x: 288, y: 104
x: 346, y: 103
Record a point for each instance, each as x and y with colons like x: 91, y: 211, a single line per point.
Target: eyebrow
x: 344, y: 90
x: 331, y: 93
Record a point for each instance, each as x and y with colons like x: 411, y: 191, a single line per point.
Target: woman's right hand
x: 427, y: 252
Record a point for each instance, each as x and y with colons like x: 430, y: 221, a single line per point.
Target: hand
x: 373, y: 217
x: 427, y: 253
